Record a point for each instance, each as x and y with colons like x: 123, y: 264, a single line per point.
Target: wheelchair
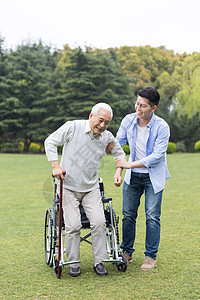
x: 54, y: 234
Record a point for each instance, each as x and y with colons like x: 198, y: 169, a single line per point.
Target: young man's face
x: 100, y: 122
x: 143, y: 108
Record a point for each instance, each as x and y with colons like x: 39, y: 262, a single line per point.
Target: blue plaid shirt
x: 156, y: 147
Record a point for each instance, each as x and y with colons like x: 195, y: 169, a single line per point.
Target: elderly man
x: 85, y: 143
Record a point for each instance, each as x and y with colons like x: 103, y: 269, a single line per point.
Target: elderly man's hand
x: 117, y: 180
x: 59, y: 173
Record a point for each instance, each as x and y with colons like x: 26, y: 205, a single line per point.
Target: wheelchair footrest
x: 112, y: 260
x: 72, y: 262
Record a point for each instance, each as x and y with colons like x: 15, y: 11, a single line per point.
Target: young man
x: 147, y: 136
x: 85, y: 143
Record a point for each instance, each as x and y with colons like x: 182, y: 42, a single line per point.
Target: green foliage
x: 188, y: 97
x: 89, y: 77
x: 41, y: 88
x: 197, y: 146
x: 21, y: 146
x: 181, y: 129
x: 126, y: 149
x: 145, y: 64
x: 180, y: 147
x: 36, y: 148
x: 23, y: 98
x: 33, y: 148
x: 171, y: 147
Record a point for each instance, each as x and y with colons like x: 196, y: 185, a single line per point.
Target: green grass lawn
x: 24, y: 183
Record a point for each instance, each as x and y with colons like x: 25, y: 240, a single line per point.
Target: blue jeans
x: 140, y: 183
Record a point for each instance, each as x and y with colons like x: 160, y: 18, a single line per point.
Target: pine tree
x: 23, y: 105
x: 90, y: 77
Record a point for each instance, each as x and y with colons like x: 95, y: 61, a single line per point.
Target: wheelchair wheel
x: 122, y: 266
x: 114, y: 219
x: 48, y: 237
x: 112, y: 231
x: 110, y: 243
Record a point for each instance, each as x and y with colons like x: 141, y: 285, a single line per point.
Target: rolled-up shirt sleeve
x: 58, y: 138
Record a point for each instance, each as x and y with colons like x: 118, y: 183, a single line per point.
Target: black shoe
x: 74, y: 271
x: 100, y: 270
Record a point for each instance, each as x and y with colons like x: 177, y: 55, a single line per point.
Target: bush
x: 126, y: 149
x: 180, y: 147
x: 9, y: 147
x: 21, y: 146
x: 171, y: 147
x: 197, y: 146
x: 36, y: 148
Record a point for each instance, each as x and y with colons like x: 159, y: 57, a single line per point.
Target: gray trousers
x: 92, y: 204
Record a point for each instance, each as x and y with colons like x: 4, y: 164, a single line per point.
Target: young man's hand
x: 122, y: 163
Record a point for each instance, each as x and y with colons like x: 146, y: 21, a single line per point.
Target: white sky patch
x: 174, y: 24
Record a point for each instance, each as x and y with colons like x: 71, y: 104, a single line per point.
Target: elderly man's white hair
x: 95, y: 110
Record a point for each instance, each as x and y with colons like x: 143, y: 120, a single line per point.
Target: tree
x: 40, y: 89
x: 26, y: 81
x: 145, y: 64
x: 10, y: 106
x: 93, y: 76
x: 184, y: 129
x: 189, y: 93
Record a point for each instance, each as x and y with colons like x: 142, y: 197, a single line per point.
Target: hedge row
x: 172, y: 147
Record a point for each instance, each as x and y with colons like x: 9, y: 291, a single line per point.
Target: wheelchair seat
x: 84, y: 220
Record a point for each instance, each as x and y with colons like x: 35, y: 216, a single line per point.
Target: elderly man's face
x: 100, y: 122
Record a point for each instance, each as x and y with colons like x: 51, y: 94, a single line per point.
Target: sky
x: 102, y: 24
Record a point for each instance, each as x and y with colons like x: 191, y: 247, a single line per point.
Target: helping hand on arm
x: 122, y: 163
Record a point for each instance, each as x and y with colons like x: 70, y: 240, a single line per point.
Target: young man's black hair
x: 151, y: 94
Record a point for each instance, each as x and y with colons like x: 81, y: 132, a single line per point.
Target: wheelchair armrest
x: 106, y: 200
